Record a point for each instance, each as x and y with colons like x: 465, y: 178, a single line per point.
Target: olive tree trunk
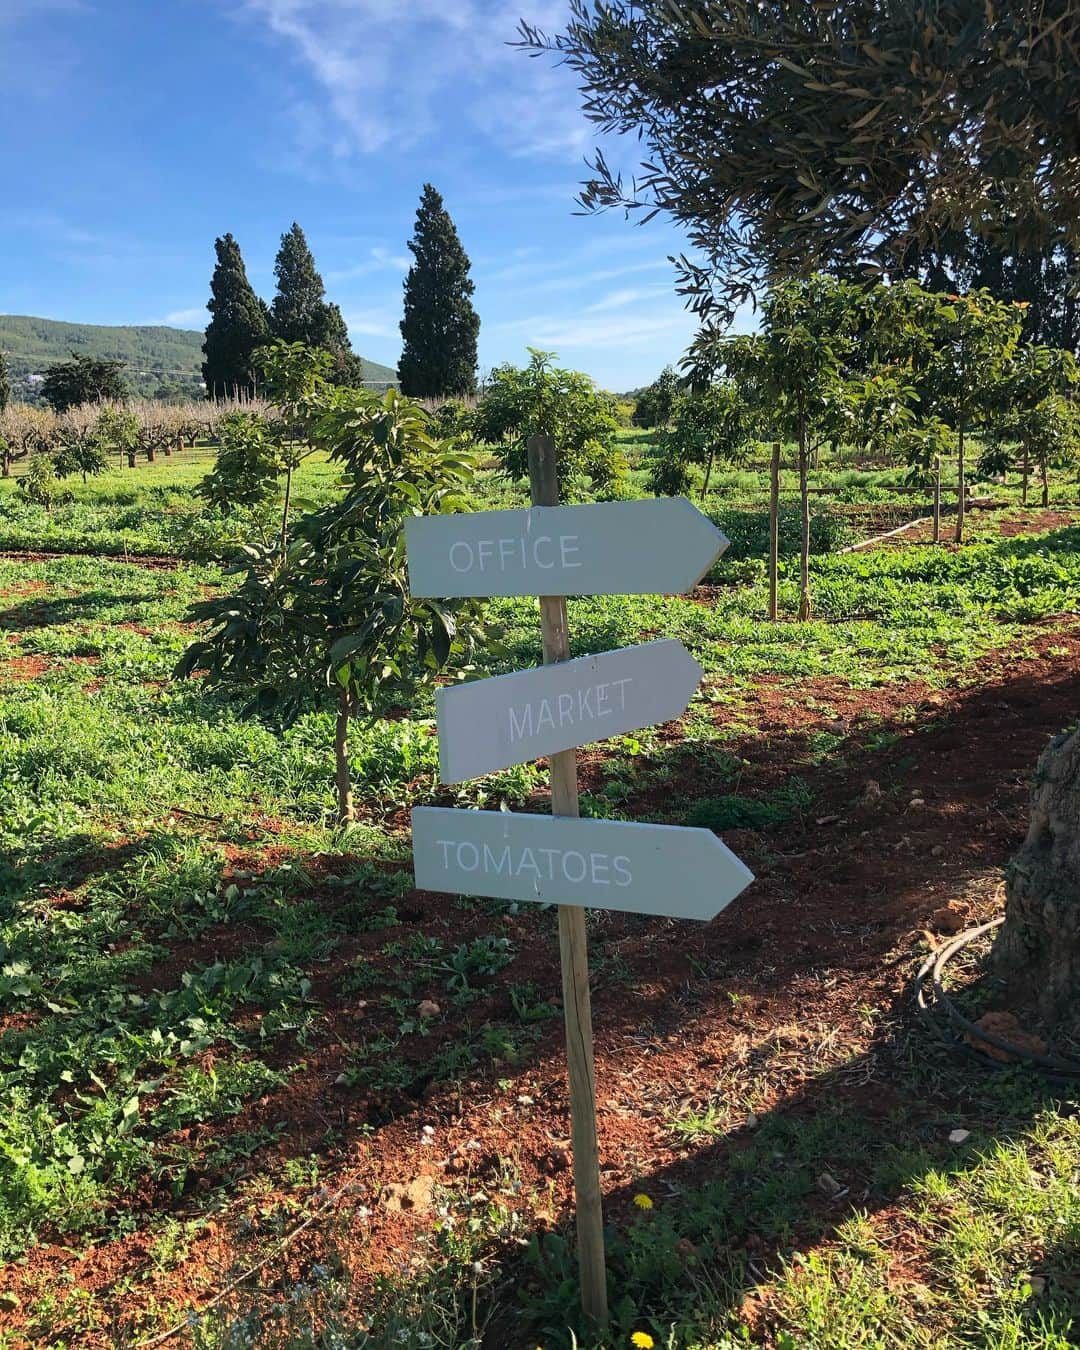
x: 1038, y: 949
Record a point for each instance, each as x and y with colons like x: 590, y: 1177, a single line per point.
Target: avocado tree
x: 963, y: 381
x: 797, y: 365
x: 542, y: 399
x: 709, y: 424
x: 1038, y: 426
x: 248, y: 466
x: 655, y: 404
x: 331, y: 611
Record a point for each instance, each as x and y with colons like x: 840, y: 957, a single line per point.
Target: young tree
x: 118, y: 432
x: 972, y: 340
x: 79, y: 448
x: 543, y: 399
x: 238, y: 327
x: 248, y: 467
x: 709, y: 424
x: 440, y: 327
x: 789, y: 137
x: 656, y: 404
x: 5, y: 384
x: 83, y: 379
x: 797, y: 365
x: 332, y: 610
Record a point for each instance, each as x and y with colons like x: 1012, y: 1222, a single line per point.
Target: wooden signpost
x: 614, y: 548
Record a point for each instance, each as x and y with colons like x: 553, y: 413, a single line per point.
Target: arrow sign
x: 657, y: 546
x: 489, y: 724
x: 603, y: 864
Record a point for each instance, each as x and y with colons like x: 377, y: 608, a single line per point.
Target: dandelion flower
x: 642, y: 1340
x: 643, y: 1202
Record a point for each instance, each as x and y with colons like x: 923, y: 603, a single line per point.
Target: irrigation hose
x: 933, y: 968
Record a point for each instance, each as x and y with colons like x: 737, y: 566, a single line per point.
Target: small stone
x: 959, y: 1136
x: 751, y: 1121
x: 917, y: 804
x: 342, y: 1080
x: 9, y: 1301
x: 525, y: 1100
x: 871, y: 797
x: 428, y: 1008
x: 829, y: 1185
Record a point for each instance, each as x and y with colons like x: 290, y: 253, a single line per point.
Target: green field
x: 210, y: 989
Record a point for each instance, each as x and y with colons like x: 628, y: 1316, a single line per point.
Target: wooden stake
x: 937, y: 499
x: 774, y: 529
x: 573, y: 950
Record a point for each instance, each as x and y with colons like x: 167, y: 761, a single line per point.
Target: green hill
x: 159, y: 361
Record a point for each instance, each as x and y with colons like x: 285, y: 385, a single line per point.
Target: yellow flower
x: 642, y: 1202
x: 642, y: 1340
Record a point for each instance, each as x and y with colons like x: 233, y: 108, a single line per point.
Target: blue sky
x: 137, y: 130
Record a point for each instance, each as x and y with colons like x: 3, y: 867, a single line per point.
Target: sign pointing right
x: 657, y: 546
x: 602, y: 864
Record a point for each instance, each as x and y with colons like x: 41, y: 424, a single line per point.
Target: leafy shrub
x: 248, y: 464
x: 729, y: 811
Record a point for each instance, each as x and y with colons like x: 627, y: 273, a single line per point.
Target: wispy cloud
x: 379, y: 323
x: 383, y: 70
x: 379, y: 259
x: 195, y: 317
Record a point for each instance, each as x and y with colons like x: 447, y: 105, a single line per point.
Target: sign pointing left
x: 490, y: 724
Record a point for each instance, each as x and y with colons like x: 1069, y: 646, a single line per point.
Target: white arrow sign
x: 657, y: 546
x: 490, y: 724
x: 603, y: 864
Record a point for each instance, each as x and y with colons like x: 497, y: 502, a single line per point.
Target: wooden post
x: 937, y: 499
x: 573, y: 950
x: 774, y: 529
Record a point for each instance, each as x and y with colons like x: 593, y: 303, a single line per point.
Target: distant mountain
x: 159, y: 361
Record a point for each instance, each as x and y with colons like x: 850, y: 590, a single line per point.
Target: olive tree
x: 789, y: 137
x: 331, y: 611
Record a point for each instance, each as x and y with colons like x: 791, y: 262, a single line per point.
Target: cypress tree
x: 5, y: 383
x: 239, y: 325
x: 301, y: 313
x: 440, y: 326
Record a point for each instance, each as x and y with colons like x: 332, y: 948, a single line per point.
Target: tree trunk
x: 149, y: 454
x: 1038, y: 949
x: 805, y: 605
x: 285, y: 509
x: 708, y: 475
x: 130, y: 458
x: 1026, y: 471
x: 5, y: 472
x: 774, y: 531
x: 346, y: 811
x: 1044, y: 471
x: 961, y: 502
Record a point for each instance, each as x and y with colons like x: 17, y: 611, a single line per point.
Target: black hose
x: 933, y: 967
